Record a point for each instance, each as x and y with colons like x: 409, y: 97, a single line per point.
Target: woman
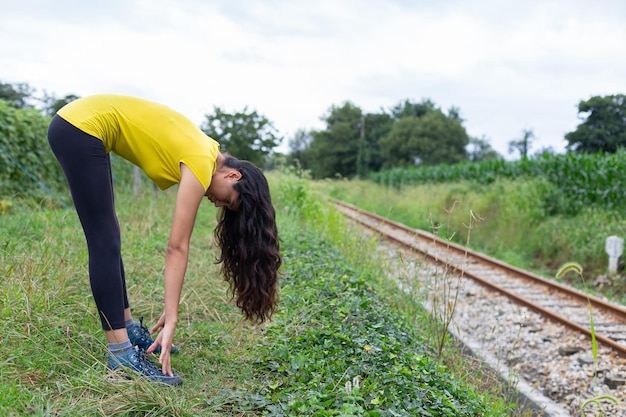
x: 171, y: 150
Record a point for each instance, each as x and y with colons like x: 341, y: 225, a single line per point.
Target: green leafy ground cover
x: 340, y: 344
x: 338, y: 349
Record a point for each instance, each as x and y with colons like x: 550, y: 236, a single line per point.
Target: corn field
x: 572, y: 180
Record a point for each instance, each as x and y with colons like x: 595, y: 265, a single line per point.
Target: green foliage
x: 294, y: 195
x: 28, y: 168
x: 604, y: 129
x: 516, y: 228
x: 53, y: 104
x: 298, y: 145
x: 338, y: 350
x: 315, y: 150
x: 335, y: 150
x: 523, y: 144
x: 22, y: 96
x: 244, y: 135
x: 479, y: 149
x: 17, y: 94
x: 407, y: 108
x: 431, y: 139
x: 376, y: 126
x: 354, y: 144
x: 573, y: 181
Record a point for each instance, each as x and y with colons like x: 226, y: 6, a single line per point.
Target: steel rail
x: 613, y: 309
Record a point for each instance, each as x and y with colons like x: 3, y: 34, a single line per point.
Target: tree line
x: 421, y: 134
x: 354, y: 143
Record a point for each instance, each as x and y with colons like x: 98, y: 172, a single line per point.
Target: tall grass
x: 515, y: 226
x: 53, y: 351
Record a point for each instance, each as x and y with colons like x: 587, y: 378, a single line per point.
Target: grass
x: 54, y: 351
x: 515, y: 227
x: 362, y: 253
x: 345, y: 342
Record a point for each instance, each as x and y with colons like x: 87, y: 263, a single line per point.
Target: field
x: 509, y: 222
x: 344, y: 343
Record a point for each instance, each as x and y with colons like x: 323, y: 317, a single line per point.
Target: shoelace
x: 141, y: 358
x: 144, y: 328
x: 148, y: 338
x: 143, y: 334
x: 146, y: 365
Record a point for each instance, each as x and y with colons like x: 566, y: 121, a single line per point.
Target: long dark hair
x: 248, y: 239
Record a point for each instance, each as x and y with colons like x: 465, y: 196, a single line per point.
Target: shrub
x: 28, y: 168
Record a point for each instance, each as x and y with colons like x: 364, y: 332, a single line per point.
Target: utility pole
x: 361, y: 168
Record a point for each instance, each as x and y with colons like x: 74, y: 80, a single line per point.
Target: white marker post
x: 614, y: 248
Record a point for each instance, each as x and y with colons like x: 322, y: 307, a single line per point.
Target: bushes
x: 28, y: 168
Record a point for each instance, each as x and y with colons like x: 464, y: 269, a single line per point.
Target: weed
x: 578, y: 270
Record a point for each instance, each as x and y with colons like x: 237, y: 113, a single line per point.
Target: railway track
x: 550, y: 299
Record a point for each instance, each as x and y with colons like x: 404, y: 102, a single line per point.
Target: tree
x: 358, y: 151
x: 454, y: 113
x: 244, y: 135
x: 354, y: 144
x: 479, y: 149
x: 544, y: 152
x: 298, y: 146
x: 430, y: 139
x: 603, y: 127
x: 16, y: 94
x: 52, y: 104
x: 408, y: 108
x: 524, y: 144
x: 335, y: 151
x: 376, y: 126
x: 22, y: 96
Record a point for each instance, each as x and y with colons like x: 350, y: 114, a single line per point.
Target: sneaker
x: 139, y: 336
x: 137, y: 362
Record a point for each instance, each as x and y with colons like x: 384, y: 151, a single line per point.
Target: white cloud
x: 507, y: 66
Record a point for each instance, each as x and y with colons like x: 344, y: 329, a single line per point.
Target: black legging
x: 87, y: 168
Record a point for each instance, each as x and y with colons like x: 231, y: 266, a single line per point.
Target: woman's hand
x: 164, y: 339
x: 188, y: 198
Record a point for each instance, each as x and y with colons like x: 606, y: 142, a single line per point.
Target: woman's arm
x: 188, y: 198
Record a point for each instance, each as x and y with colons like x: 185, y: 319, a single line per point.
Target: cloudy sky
x: 507, y: 65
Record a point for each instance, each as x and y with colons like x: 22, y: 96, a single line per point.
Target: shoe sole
x: 117, y: 376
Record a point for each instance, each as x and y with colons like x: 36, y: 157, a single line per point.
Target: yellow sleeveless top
x: 150, y: 135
